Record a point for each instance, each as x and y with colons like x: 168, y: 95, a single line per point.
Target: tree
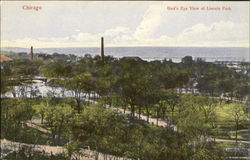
x: 207, y: 82
x: 238, y: 113
x: 172, y: 99
x: 40, y: 110
x: 81, y: 85
x: 25, y: 67
x: 5, y: 75
x: 57, y: 69
x: 57, y: 117
x: 97, y: 127
x: 207, y: 106
x: 162, y: 108
x: 131, y: 82
x: 73, y: 149
x: 191, y: 118
x: 106, y: 83
x: 242, y: 91
x: 21, y: 112
x: 14, y: 113
x: 226, y: 86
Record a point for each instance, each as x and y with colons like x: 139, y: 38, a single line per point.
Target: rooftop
x: 5, y: 59
x: 133, y: 58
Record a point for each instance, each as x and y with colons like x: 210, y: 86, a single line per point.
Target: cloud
x: 50, y: 39
x: 76, y: 40
x: 125, y: 24
x: 116, y: 31
x: 113, y: 32
x: 151, y: 21
x: 223, y: 33
x: 83, y: 37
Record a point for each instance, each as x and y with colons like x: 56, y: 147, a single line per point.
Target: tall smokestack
x: 31, y: 53
x: 102, y: 49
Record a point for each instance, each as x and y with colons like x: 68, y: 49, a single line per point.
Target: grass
x: 226, y: 124
x: 240, y: 138
x: 28, y: 135
x: 233, y: 149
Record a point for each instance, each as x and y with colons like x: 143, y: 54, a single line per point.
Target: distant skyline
x: 141, y: 23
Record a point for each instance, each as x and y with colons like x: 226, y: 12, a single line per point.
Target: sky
x: 121, y: 23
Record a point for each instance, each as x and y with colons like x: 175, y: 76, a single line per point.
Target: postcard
x: 125, y: 80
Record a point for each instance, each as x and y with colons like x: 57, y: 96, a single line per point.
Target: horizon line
x: 128, y: 47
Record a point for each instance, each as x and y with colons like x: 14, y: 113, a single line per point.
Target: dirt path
x: 231, y: 141
x: 33, y: 124
x: 164, y: 123
x: 152, y: 121
x: 86, y: 153
x: 6, y: 144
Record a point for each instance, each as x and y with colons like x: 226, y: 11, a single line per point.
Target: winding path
x: 164, y: 123
x: 49, y: 150
x: 89, y: 154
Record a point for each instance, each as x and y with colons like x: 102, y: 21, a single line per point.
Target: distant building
x: 22, y: 53
x: 133, y: 58
x: 5, y: 59
x: 44, y: 56
x: 199, y: 59
x: 187, y: 59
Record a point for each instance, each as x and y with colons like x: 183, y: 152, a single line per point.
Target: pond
x: 36, y: 89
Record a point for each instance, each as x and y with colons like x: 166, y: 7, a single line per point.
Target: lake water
x: 39, y: 88
x: 210, y: 54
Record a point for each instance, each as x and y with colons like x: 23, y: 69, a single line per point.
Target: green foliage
x: 206, y: 154
x: 57, y: 69
x: 16, y: 110
x: 110, y: 133
x: 228, y: 112
x: 14, y: 113
x: 238, y: 113
x: 57, y: 118
x: 196, y: 116
x: 25, y: 67
x: 143, y: 87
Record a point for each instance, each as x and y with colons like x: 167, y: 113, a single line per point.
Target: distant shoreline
x: 4, y: 48
x: 209, y: 54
